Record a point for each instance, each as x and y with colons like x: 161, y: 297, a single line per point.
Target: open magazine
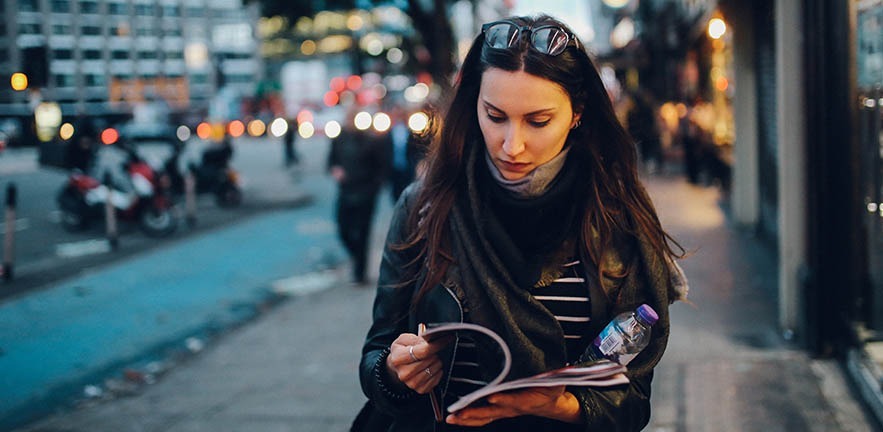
x: 601, y: 373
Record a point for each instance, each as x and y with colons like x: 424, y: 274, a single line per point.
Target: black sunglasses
x: 547, y: 39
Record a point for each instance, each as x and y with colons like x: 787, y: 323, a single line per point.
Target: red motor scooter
x: 138, y: 194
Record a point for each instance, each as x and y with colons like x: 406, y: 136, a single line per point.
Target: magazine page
x: 602, y: 373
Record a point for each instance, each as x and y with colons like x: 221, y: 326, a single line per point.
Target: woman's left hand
x: 551, y: 402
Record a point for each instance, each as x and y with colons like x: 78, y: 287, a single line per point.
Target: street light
x: 716, y: 28
x: 19, y: 81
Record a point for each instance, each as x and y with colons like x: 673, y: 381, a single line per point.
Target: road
x: 45, y: 252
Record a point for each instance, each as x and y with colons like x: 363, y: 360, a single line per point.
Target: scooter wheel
x: 158, y: 222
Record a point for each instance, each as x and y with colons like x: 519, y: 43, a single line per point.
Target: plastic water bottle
x: 624, y: 337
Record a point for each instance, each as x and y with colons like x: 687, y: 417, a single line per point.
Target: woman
x: 531, y: 221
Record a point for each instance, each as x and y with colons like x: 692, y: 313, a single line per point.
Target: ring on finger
x: 411, y: 352
x: 428, y: 372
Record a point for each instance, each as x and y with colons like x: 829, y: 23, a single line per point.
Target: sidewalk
x: 295, y: 368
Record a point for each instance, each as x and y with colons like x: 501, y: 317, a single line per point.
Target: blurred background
x: 775, y: 106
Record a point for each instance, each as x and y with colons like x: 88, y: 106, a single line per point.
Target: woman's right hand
x: 415, y: 363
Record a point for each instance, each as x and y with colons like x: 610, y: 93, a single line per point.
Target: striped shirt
x: 567, y: 298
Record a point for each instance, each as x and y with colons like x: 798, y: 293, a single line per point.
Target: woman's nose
x: 514, y: 142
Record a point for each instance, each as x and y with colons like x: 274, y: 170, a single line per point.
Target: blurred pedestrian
x: 531, y: 221
x: 81, y: 149
x: 288, y: 141
x: 643, y: 126
x: 357, y: 161
x: 406, y: 152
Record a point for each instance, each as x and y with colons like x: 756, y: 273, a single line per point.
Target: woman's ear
x: 576, y: 121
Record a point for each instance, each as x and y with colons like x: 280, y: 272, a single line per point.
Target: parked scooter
x: 138, y: 193
x: 213, y: 174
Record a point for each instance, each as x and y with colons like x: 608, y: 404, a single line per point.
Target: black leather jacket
x: 623, y: 408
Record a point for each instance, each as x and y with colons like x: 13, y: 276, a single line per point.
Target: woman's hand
x: 551, y: 402
x: 415, y: 363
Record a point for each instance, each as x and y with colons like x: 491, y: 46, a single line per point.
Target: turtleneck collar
x: 536, y: 182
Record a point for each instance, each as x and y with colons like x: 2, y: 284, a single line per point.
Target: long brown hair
x: 616, y: 206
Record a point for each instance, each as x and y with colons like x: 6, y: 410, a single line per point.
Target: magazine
x: 601, y: 373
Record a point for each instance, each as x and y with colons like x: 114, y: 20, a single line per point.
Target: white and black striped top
x: 567, y: 298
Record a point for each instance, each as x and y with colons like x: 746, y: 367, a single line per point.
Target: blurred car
x: 148, y: 131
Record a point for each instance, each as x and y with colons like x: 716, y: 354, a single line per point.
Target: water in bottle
x: 624, y: 337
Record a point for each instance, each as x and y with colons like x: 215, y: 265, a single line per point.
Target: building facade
x: 101, y: 57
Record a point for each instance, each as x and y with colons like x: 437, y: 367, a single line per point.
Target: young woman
x: 531, y: 221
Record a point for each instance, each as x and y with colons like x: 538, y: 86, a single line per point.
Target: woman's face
x: 524, y: 119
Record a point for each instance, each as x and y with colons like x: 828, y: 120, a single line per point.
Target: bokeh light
x: 306, y: 130
x: 256, y: 128
x: 66, y: 131
x: 382, y: 122
x: 183, y: 133
x: 362, y: 121
x: 332, y: 129
x: 236, y: 128
x: 418, y: 122
x: 278, y: 127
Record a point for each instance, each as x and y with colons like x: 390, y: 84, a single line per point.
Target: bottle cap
x: 647, y: 314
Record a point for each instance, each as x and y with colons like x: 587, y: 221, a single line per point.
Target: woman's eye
x: 495, y: 118
x: 539, y: 124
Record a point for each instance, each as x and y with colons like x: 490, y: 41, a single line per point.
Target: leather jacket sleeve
x: 390, y: 317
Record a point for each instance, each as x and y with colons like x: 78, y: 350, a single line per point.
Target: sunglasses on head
x: 547, y: 39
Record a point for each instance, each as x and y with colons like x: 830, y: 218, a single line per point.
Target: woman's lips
x: 514, y: 166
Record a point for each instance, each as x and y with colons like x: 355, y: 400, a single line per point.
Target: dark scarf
x: 498, y: 298
x: 493, y: 269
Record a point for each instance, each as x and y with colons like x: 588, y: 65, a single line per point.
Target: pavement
x: 289, y: 362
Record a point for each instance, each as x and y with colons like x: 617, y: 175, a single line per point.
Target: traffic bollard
x: 190, y: 196
x: 110, y: 215
x: 9, y: 234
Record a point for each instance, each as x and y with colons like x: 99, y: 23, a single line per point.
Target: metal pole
x: 110, y: 215
x: 9, y: 235
x: 190, y: 195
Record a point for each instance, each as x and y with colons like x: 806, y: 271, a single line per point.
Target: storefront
x: 866, y: 358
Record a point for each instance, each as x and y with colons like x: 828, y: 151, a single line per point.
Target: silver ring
x: 428, y: 372
x: 411, y: 352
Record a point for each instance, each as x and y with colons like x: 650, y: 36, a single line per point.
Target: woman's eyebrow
x: 535, y: 112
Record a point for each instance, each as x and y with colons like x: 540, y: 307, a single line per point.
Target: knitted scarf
x: 492, y: 297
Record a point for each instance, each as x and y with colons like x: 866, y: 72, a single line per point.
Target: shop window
x: 90, y: 31
x: 62, y: 29
x: 28, y: 6
x: 60, y: 6
x: 92, y: 54
x: 29, y: 28
x: 63, y: 54
x: 147, y: 55
x: 89, y: 7
x: 171, y: 11
x: 118, y: 8
x: 65, y: 80
x: 95, y: 80
x: 144, y: 9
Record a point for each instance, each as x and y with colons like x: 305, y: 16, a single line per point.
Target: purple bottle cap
x: 647, y: 314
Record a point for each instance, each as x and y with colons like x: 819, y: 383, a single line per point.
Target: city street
x: 291, y: 364
x: 45, y: 251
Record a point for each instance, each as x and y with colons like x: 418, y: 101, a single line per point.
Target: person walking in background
x: 288, y: 141
x: 531, y: 221
x: 81, y: 149
x: 406, y: 152
x: 643, y: 126
x: 358, y: 162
